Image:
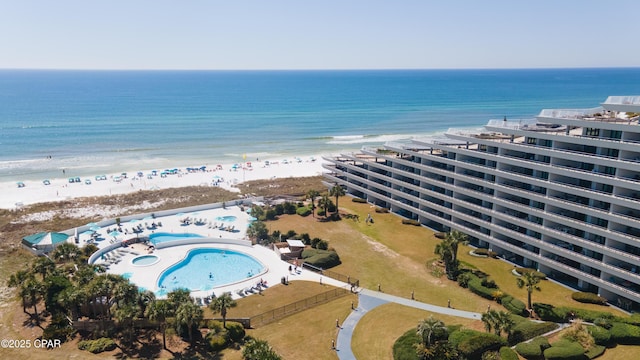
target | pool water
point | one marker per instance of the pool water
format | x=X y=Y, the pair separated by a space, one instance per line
x=228 y=218
x=204 y=269
x=157 y=238
x=145 y=260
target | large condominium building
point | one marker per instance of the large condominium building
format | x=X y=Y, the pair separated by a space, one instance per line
x=560 y=193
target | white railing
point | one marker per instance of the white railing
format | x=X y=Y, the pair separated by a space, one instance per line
x=623 y=100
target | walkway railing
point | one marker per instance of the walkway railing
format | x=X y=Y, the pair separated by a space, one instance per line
x=334 y=275
x=296 y=307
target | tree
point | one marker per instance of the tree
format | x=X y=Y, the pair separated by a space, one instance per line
x=530 y=282
x=16 y=281
x=337 y=191
x=33 y=290
x=313 y=194
x=256 y=349
x=189 y=314
x=43 y=266
x=498 y=321
x=258 y=230
x=221 y=304
x=125 y=314
x=257 y=212
x=71 y=298
x=324 y=202
x=144 y=299
x=66 y=252
x=427 y=328
x=447 y=249
x=179 y=296
x=160 y=310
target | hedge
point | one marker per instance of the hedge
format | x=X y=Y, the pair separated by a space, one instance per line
x=625 y=334
x=303 y=211
x=235 y=330
x=528 y=330
x=589 y=298
x=404 y=347
x=359 y=200
x=548 y=312
x=381 y=210
x=564 y=350
x=410 y=222
x=534 y=348
x=475 y=285
x=600 y=335
x=97 y=346
x=321 y=258
x=595 y=351
x=535 y=272
x=515 y=306
x=472 y=344
x=507 y=354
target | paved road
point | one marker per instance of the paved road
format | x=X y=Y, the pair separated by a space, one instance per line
x=369 y=300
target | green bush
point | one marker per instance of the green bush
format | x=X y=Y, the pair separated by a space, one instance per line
x=235 y=330
x=321 y=258
x=535 y=272
x=440 y=235
x=410 y=222
x=549 y=312
x=600 y=335
x=58 y=328
x=404 y=347
x=526 y=330
x=217 y=341
x=97 y=346
x=507 y=354
x=625 y=334
x=515 y=306
x=472 y=344
x=381 y=210
x=303 y=211
x=589 y=298
x=481 y=251
x=595 y=351
x=359 y=200
x=322 y=245
x=602 y=322
x=320 y=212
x=475 y=285
x=533 y=349
x=564 y=350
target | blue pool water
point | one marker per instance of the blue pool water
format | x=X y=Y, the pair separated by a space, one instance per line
x=163 y=236
x=145 y=260
x=204 y=269
x=228 y=218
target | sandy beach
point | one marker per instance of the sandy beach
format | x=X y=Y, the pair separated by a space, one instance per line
x=227 y=176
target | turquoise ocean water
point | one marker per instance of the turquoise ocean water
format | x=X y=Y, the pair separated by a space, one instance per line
x=94 y=122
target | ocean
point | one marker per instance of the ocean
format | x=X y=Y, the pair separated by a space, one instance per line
x=95 y=122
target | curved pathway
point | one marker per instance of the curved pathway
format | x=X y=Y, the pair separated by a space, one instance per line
x=368 y=300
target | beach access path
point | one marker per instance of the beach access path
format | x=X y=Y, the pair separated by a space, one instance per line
x=369 y=300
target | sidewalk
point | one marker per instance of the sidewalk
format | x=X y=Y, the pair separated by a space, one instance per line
x=369 y=300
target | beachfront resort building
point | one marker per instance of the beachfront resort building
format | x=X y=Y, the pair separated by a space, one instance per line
x=559 y=193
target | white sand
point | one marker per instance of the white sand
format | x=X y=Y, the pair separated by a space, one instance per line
x=60 y=189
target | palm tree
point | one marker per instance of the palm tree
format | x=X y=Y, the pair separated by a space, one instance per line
x=43 y=266
x=221 y=304
x=505 y=323
x=70 y=298
x=313 y=194
x=337 y=191
x=66 y=252
x=16 y=281
x=256 y=349
x=324 y=202
x=530 y=281
x=143 y=299
x=160 y=310
x=125 y=315
x=448 y=251
x=427 y=328
x=189 y=314
x=456 y=238
x=34 y=290
x=489 y=320
x=179 y=296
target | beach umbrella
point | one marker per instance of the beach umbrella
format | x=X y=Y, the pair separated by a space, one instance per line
x=115 y=233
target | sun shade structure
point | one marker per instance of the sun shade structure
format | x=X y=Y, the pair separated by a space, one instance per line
x=45 y=241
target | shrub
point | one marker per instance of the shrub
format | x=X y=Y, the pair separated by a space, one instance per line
x=440 y=235
x=526 y=330
x=601 y=336
x=303 y=211
x=97 y=346
x=320 y=212
x=314 y=242
x=58 y=328
x=589 y=298
x=564 y=350
x=533 y=349
x=507 y=354
x=475 y=285
x=216 y=341
x=382 y=210
x=548 y=312
x=359 y=200
x=602 y=322
x=463 y=280
x=404 y=347
x=321 y=258
x=625 y=334
x=410 y=222
x=595 y=351
x=515 y=306
x=472 y=344
x=322 y=245
x=235 y=331
x=486 y=282
x=481 y=251
x=535 y=272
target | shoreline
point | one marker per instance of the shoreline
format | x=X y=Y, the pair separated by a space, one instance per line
x=228 y=176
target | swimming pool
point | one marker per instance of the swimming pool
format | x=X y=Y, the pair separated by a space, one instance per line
x=145 y=260
x=206 y=268
x=228 y=218
x=157 y=238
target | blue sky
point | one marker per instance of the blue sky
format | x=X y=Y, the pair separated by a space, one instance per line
x=327 y=34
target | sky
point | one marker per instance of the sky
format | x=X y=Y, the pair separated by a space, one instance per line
x=321 y=34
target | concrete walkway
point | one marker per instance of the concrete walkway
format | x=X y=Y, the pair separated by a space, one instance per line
x=369 y=300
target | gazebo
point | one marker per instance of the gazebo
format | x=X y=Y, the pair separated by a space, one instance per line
x=44 y=241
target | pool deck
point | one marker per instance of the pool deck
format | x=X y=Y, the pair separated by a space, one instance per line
x=119 y=260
